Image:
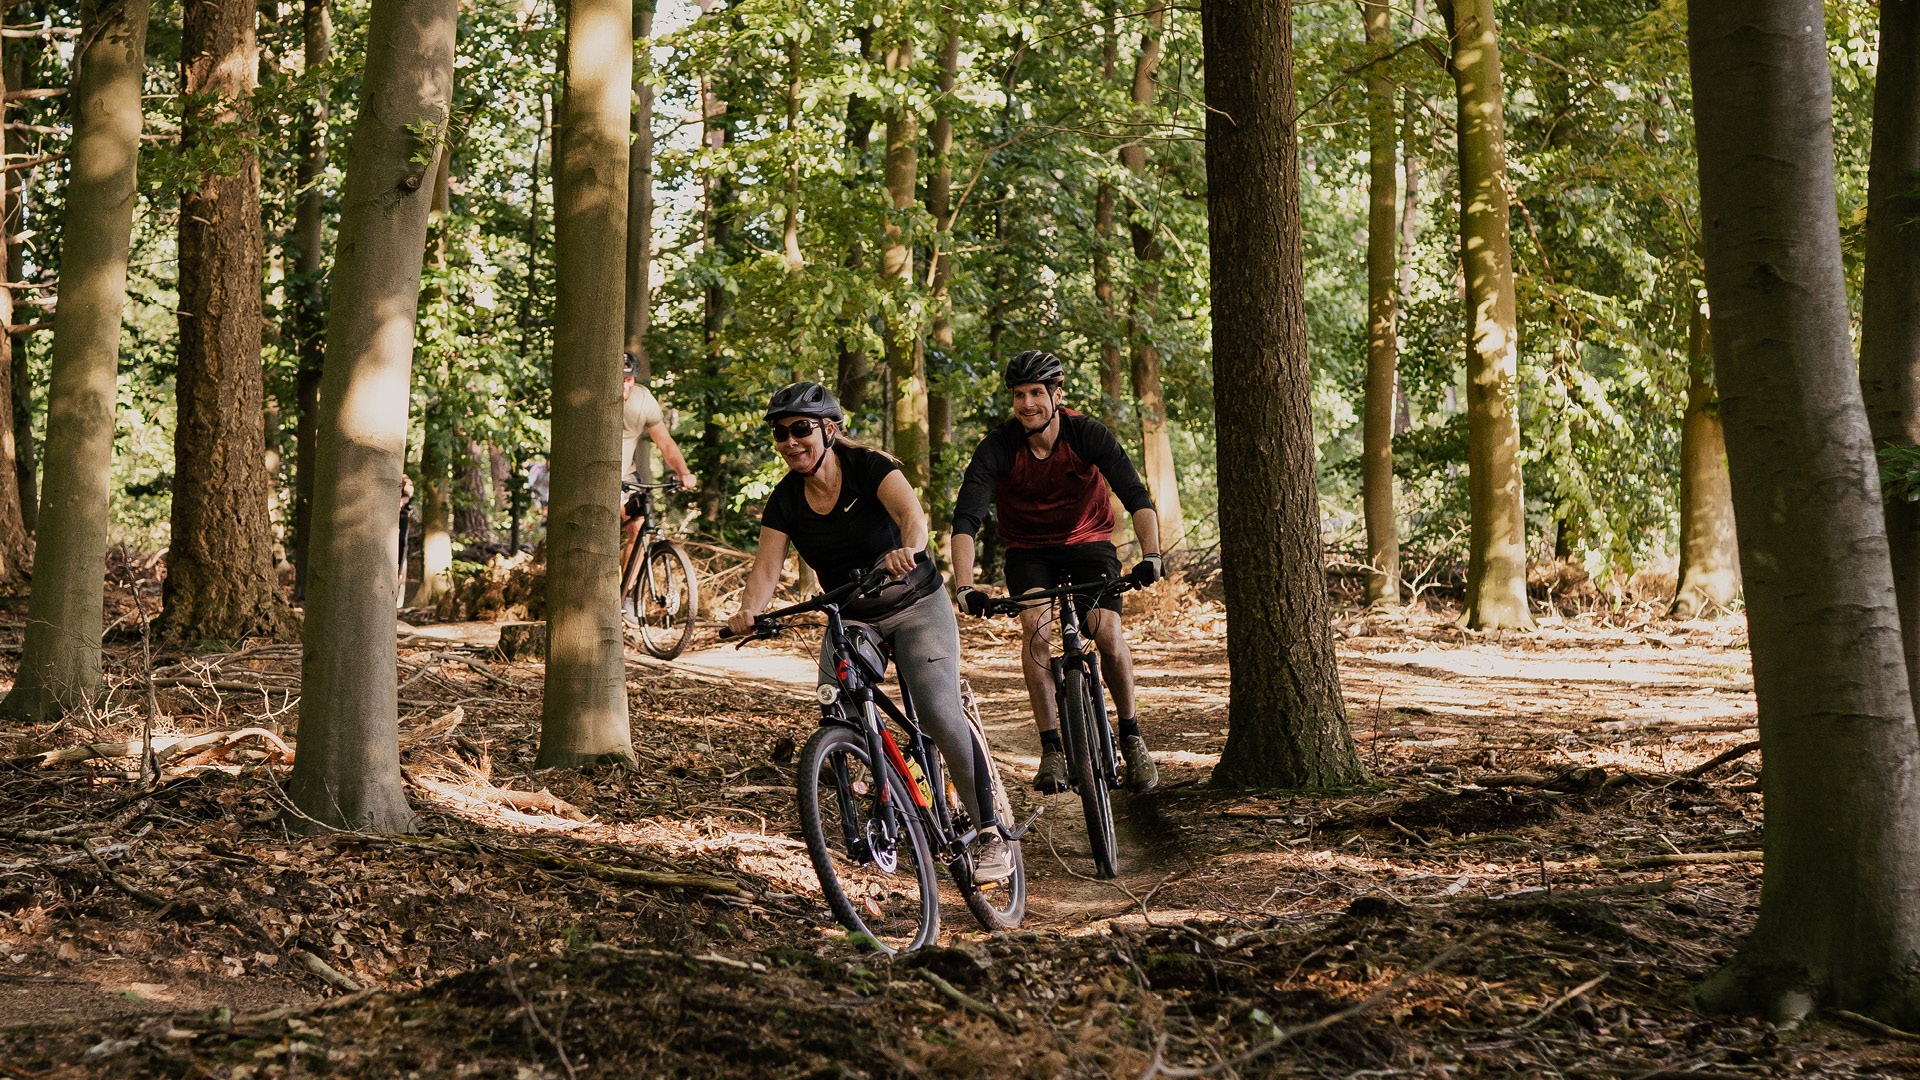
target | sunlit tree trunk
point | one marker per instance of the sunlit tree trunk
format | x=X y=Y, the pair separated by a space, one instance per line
x=1383 y=357
x=309 y=301
x=583 y=718
x=436 y=457
x=1156 y=441
x=347 y=771
x=60 y=662
x=1890 y=312
x=640 y=217
x=940 y=206
x=1839 y=921
x=221 y=583
x=906 y=357
x=1497 y=539
x=1287 y=726
x=1709 y=545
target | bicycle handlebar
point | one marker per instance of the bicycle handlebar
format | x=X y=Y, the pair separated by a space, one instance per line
x=628 y=487
x=1013 y=605
x=767 y=623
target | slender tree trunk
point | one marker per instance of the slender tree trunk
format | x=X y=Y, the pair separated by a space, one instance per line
x=310 y=297
x=1113 y=374
x=1890 y=312
x=1376 y=454
x=436 y=456
x=221 y=583
x=25 y=460
x=906 y=356
x=16 y=548
x=583 y=718
x=60 y=662
x=1497 y=540
x=853 y=365
x=640 y=215
x=1709 y=544
x=473 y=508
x=1156 y=440
x=940 y=206
x=1286 y=724
x=1839 y=921
x=347 y=773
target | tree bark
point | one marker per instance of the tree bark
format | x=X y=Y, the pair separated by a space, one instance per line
x=940 y=206
x=1709 y=545
x=1287 y=726
x=436 y=524
x=16 y=547
x=1156 y=441
x=221 y=583
x=473 y=508
x=906 y=356
x=347 y=774
x=1383 y=358
x=640 y=211
x=25 y=459
x=1839 y=921
x=853 y=367
x=583 y=717
x=436 y=454
x=310 y=298
x=1497 y=539
x=60 y=662
x=1890 y=310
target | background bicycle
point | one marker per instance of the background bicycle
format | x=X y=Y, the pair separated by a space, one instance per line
x=659 y=593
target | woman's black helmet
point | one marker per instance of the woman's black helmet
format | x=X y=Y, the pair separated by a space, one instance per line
x=1034 y=366
x=804 y=399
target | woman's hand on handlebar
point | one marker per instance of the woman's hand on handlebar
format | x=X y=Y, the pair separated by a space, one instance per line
x=900 y=561
x=688 y=481
x=741 y=624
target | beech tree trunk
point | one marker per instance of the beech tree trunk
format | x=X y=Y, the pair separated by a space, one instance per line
x=473 y=506
x=940 y=206
x=16 y=548
x=1497 y=540
x=60 y=662
x=310 y=298
x=1156 y=441
x=1287 y=726
x=640 y=212
x=1383 y=357
x=221 y=583
x=1839 y=921
x=853 y=364
x=906 y=356
x=347 y=772
x=583 y=717
x=25 y=460
x=1890 y=312
x=436 y=456
x=1709 y=544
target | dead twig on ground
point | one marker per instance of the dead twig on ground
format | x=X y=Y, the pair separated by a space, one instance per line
x=1718 y=760
x=967 y=1001
x=533 y=1017
x=1645 y=862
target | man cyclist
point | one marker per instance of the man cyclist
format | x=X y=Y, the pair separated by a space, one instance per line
x=640 y=414
x=1049 y=472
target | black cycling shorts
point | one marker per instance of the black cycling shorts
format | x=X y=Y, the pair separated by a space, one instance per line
x=1065 y=564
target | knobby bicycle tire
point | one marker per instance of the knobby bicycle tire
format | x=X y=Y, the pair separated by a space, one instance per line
x=865 y=898
x=1001 y=905
x=1095 y=800
x=669 y=597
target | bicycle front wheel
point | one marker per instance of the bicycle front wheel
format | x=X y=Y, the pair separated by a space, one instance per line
x=999 y=905
x=875 y=868
x=669 y=600
x=1078 y=718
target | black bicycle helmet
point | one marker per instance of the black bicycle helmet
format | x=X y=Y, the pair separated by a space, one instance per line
x=1035 y=366
x=629 y=365
x=805 y=399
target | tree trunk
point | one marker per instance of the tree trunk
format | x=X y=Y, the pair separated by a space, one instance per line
x=1839 y=920
x=1890 y=311
x=16 y=548
x=1376 y=454
x=940 y=205
x=473 y=507
x=1709 y=544
x=583 y=718
x=1497 y=539
x=25 y=460
x=1156 y=441
x=853 y=365
x=1287 y=726
x=221 y=583
x=437 y=442
x=347 y=773
x=60 y=662
x=436 y=524
x=640 y=212
x=310 y=298
x=906 y=356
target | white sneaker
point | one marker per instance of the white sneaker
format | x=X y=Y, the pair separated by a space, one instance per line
x=992 y=858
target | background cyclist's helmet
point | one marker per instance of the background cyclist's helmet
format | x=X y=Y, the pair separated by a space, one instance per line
x=804 y=399
x=1034 y=366
x=629 y=365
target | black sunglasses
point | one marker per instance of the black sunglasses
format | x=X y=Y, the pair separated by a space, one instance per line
x=799 y=429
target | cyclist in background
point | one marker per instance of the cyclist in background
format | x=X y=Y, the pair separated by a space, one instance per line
x=640 y=414
x=1048 y=472
x=846 y=507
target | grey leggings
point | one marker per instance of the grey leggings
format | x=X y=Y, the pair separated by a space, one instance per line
x=926 y=655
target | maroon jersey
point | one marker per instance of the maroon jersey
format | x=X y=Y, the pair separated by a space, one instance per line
x=1048 y=502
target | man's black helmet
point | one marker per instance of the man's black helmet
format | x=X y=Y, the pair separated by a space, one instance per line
x=804 y=399
x=1034 y=366
x=629 y=365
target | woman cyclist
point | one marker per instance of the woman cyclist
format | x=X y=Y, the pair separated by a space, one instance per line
x=847 y=507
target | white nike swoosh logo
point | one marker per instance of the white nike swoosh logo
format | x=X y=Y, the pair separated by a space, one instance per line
x=850 y=503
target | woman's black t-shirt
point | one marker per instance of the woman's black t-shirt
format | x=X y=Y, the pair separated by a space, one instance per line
x=842 y=544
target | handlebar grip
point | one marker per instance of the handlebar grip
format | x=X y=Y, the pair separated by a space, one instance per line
x=725 y=633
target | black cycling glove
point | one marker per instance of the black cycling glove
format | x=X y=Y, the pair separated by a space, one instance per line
x=972 y=600
x=1149 y=569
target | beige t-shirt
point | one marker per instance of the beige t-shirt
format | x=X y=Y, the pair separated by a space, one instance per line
x=638 y=413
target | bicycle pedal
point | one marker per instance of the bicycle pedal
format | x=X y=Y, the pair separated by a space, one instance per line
x=1015 y=834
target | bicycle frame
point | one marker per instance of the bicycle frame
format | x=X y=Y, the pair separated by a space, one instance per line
x=1077 y=652
x=636 y=557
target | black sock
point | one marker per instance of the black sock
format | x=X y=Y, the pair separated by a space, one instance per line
x=1050 y=740
x=1130 y=728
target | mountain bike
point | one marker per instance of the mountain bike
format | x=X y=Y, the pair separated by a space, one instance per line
x=1093 y=761
x=659 y=594
x=877 y=810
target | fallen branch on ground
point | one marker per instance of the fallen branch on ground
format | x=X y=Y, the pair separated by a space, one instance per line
x=539 y=802
x=657 y=878
x=1697 y=858
x=327 y=972
x=1869 y=1024
x=1715 y=762
x=165 y=749
x=967 y=1001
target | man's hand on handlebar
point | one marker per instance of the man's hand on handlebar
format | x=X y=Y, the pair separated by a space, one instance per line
x=741 y=624
x=973 y=601
x=688 y=481
x=1151 y=568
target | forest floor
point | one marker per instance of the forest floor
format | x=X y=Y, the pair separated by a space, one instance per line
x=1518 y=892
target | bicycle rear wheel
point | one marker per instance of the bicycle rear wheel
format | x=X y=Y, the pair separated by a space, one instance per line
x=887 y=890
x=1078 y=718
x=669 y=600
x=999 y=905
